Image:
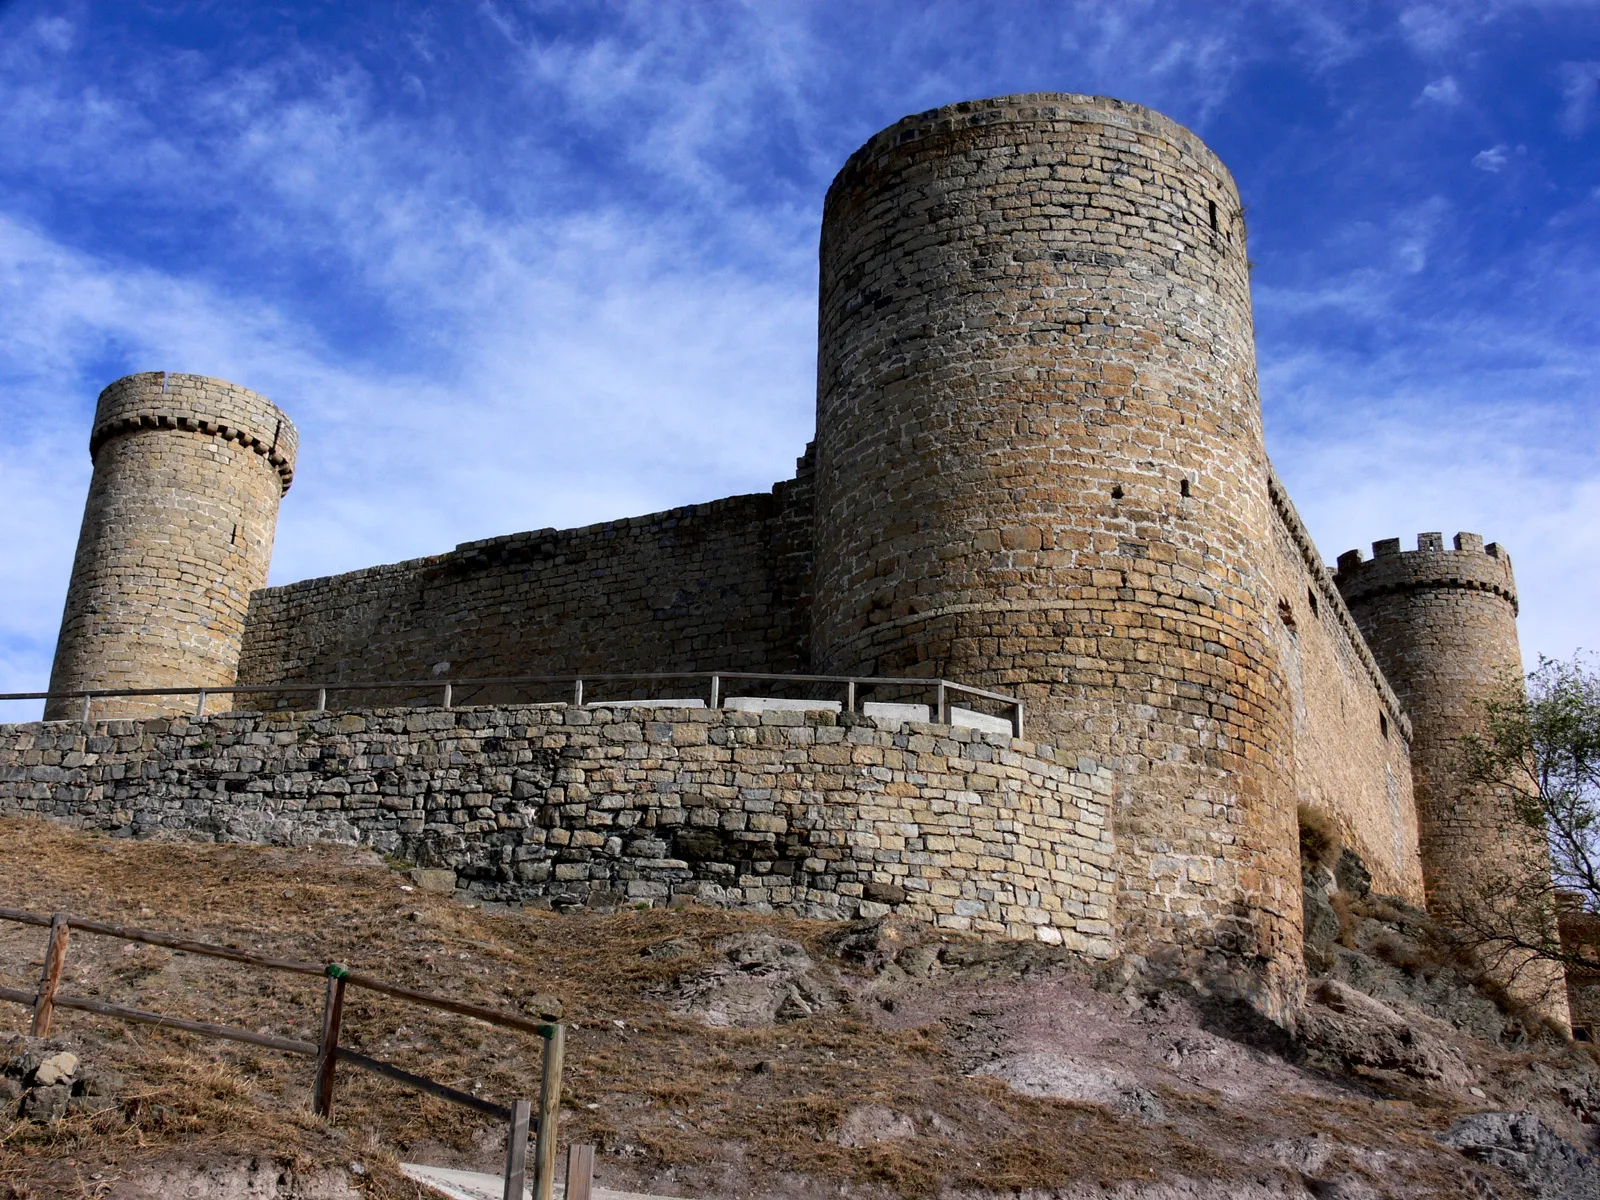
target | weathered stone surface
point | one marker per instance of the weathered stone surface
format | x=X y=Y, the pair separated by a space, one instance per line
x=1443 y=625
x=812 y=813
x=45 y=1104
x=435 y=879
x=58 y=1068
x=1527 y=1149
x=177 y=533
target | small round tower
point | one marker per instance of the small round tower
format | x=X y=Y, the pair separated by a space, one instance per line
x=1443 y=626
x=1040 y=466
x=177 y=532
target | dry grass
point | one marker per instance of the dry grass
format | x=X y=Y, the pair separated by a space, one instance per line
x=1320 y=840
x=651 y=1089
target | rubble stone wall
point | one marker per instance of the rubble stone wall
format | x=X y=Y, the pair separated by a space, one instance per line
x=817 y=814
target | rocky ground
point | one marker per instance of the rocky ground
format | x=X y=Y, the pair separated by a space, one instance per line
x=719 y=1054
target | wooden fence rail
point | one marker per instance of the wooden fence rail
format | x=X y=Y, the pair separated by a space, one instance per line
x=327 y=1052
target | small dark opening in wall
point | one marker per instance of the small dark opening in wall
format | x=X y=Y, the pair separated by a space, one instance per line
x=1580 y=1033
x=1311 y=599
x=1116 y=491
x=1286 y=613
x=1183 y=487
x=234 y=540
x=1383 y=724
x=1212 y=206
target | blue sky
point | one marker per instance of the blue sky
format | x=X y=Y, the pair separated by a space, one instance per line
x=514 y=265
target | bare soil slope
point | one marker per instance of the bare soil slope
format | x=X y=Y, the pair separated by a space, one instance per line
x=720 y=1054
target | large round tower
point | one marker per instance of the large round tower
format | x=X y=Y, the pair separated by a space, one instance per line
x=1040 y=465
x=177 y=532
x=1443 y=626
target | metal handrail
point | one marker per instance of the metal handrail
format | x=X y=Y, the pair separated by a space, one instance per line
x=851 y=683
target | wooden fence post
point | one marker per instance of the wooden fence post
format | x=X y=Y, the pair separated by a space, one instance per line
x=580 y=1172
x=555 y=1044
x=328 y=1047
x=55 y=955
x=517 y=1150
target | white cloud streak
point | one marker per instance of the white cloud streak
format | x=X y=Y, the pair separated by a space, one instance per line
x=593 y=296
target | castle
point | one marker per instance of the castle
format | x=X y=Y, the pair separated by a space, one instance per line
x=1038 y=468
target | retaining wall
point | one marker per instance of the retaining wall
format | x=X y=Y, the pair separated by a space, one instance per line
x=812 y=813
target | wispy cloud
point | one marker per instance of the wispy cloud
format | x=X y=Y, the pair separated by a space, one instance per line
x=526 y=264
x=1580 y=94
x=1445 y=92
x=1493 y=160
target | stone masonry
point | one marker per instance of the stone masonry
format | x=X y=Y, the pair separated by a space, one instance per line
x=1443 y=624
x=177 y=534
x=807 y=812
x=1039 y=468
x=1040 y=465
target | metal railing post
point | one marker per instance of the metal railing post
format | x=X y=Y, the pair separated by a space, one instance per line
x=716 y=691
x=577 y=693
x=942 y=705
x=555 y=1043
x=86 y=700
x=447 y=695
x=322 y=699
x=850 y=696
x=200 y=704
x=1016 y=719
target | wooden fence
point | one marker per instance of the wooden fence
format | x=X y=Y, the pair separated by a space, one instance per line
x=326 y=1051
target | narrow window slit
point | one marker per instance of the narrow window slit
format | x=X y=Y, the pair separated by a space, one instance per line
x=1211 y=205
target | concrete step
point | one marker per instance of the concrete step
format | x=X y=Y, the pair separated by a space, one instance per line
x=475 y=1185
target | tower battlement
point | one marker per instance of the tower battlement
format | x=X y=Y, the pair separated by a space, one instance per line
x=1469 y=565
x=199 y=404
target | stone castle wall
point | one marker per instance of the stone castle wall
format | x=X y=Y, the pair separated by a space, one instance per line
x=810 y=813
x=1352 y=737
x=719 y=586
x=177 y=533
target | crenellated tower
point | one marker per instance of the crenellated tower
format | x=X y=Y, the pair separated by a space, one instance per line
x=1442 y=624
x=1040 y=466
x=177 y=532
